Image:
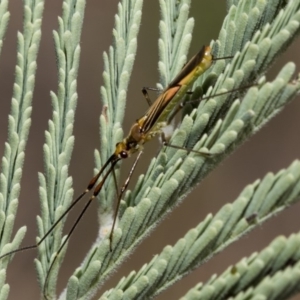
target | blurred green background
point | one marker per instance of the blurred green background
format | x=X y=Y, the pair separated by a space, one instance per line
x=271 y=149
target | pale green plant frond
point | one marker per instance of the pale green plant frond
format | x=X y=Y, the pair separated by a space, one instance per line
x=4 y=19
x=261 y=22
x=56 y=191
x=19 y=122
x=241 y=121
x=269 y=13
x=274 y=273
x=175 y=30
x=242 y=69
x=118 y=64
x=217 y=127
x=253 y=35
x=257 y=202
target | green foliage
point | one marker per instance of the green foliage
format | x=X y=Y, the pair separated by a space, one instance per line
x=271 y=274
x=255 y=33
x=4 y=19
x=118 y=64
x=19 y=121
x=56 y=191
x=217 y=232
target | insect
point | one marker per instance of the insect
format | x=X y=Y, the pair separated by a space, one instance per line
x=143 y=130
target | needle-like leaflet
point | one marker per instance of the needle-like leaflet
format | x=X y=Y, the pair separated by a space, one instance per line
x=143 y=130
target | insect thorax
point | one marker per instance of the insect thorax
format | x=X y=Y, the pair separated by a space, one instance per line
x=157 y=129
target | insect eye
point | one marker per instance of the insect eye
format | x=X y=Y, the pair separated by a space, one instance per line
x=123 y=154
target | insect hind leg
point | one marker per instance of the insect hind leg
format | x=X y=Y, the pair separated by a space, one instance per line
x=165 y=142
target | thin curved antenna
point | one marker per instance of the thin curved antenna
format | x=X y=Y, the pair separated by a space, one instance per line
x=113 y=160
x=89 y=187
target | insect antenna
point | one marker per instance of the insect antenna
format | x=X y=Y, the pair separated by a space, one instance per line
x=113 y=160
x=89 y=187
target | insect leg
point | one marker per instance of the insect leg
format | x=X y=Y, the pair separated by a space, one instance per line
x=115 y=181
x=89 y=187
x=63 y=244
x=95 y=193
x=123 y=189
x=146 y=95
x=167 y=144
x=216 y=95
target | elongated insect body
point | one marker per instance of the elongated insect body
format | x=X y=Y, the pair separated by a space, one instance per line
x=157 y=116
x=177 y=89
